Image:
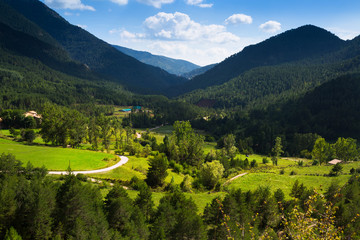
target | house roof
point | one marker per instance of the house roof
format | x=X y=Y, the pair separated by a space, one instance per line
x=32 y=114
x=335 y=161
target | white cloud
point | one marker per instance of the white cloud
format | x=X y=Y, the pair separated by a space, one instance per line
x=69 y=4
x=124 y=34
x=179 y=26
x=199 y=3
x=344 y=34
x=239 y=18
x=82 y=26
x=156 y=3
x=270 y=26
x=204 y=5
x=120 y=2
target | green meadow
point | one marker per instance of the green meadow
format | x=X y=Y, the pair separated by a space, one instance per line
x=57 y=158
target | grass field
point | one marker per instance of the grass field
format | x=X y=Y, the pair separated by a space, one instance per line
x=285 y=182
x=56 y=158
x=200 y=199
x=135 y=167
x=168 y=129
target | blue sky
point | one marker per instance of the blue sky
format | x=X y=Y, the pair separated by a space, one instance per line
x=204 y=31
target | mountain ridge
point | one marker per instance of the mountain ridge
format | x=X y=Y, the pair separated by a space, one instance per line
x=171 y=65
x=292 y=45
x=100 y=56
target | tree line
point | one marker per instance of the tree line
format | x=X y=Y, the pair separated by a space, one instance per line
x=36 y=206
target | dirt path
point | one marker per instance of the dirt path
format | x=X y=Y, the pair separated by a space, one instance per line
x=122 y=161
x=237 y=176
x=152 y=129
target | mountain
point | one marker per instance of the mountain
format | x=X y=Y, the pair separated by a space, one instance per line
x=293 y=45
x=198 y=71
x=331 y=110
x=95 y=53
x=173 y=66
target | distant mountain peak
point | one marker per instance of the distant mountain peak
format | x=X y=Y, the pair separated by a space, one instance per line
x=304 y=42
x=173 y=66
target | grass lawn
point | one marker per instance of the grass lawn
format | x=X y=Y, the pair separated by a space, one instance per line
x=135 y=167
x=285 y=182
x=168 y=129
x=56 y=158
x=200 y=199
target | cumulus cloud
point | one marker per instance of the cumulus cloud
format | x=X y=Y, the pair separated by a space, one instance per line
x=199 y=3
x=124 y=34
x=120 y=2
x=270 y=26
x=239 y=18
x=179 y=26
x=69 y=4
x=156 y=3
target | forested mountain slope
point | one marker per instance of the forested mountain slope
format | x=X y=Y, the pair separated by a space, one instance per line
x=293 y=45
x=331 y=110
x=198 y=71
x=98 y=55
x=263 y=85
x=33 y=71
x=174 y=66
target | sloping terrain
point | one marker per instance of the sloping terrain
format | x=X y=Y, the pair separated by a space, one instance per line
x=95 y=53
x=173 y=66
x=302 y=43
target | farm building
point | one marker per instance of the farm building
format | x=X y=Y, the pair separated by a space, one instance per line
x=334 y=161
x=126 y=110
x=32 y=114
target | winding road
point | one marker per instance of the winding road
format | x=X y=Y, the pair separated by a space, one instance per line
x=122 y=161
x=232 y=179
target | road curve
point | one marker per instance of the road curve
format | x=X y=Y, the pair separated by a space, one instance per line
x=122 y=161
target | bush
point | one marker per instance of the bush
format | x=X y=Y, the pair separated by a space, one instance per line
x=265 y=160
x=293 y=173
x=300 y=163
x=253 y=164
x=178 y=168
x=81 y=177
x=28 y=135
x=282 y=172
x=136 y=183
x=185 y=185
x=315 y=162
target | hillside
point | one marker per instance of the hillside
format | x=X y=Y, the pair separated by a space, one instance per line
x=331 y=110
x=261 y=86
x=198 y=71
x=95 y=53
x=173 y=66
x=293 y=45
x=30 y=76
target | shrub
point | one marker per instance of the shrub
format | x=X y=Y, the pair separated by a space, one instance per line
x=178 y=168
x=293 y=173
x=265 y=160
x=300 y=163
x=282 y=172
x=253 y=163
x=81 y=177
x=136 y=183
x=185 y=185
